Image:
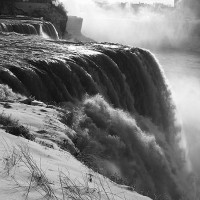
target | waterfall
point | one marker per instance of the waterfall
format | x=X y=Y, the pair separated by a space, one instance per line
x=121 y=103
x=45 y=29
x=49 y=30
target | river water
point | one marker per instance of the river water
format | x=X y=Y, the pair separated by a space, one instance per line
x=182 y=70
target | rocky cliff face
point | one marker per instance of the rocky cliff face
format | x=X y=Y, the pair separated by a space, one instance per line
x=73 y=30
x=74 y=25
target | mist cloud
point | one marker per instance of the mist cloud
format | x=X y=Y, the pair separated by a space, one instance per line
x=192 y=5
x=144 y=28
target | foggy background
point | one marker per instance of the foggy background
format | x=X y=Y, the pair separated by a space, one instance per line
x=107 y=21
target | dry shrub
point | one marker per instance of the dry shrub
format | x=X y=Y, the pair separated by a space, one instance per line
x=6 y=94
x=13 y=127
x=37 y=181
x=18 y=157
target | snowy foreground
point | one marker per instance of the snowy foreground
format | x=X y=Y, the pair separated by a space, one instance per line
x=40 y=169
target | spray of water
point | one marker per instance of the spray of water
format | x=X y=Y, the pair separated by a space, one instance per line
x=120 y=23
x=182 y=70
x=43 y=34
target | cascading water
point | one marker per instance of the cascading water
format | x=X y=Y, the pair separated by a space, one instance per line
x=42 y=28
x=49 y=30
x=122 y=107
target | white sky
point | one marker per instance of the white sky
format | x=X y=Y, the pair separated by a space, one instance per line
x=75 y=7
x=168 y=2
x=142 y=1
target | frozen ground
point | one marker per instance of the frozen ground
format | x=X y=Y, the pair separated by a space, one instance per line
x=37 y=170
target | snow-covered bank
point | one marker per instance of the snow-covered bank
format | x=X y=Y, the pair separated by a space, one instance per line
x=52 y=161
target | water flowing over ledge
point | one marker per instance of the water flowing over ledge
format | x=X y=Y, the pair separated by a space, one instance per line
x=28 y=26
x=129 y=78
x=120 y=94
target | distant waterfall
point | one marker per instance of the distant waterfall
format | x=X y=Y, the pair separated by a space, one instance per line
x=49 y=29
x=45 y=28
